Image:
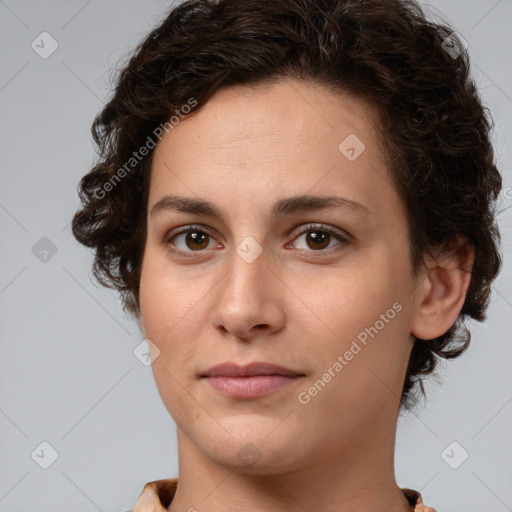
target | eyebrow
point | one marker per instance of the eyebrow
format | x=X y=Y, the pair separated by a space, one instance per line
x=281 y=208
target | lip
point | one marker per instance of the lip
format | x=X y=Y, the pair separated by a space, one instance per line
x=250 y=381
x=251 y=369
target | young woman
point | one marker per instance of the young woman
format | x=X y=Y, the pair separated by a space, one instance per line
x=295 y=200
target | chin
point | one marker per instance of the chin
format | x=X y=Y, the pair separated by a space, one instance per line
x=256 y=449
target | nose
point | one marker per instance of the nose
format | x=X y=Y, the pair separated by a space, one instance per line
x=249 y=299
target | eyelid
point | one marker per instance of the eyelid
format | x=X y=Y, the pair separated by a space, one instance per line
x=321 y=227
x=188 y=227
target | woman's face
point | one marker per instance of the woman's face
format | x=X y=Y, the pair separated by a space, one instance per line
x=268 y=281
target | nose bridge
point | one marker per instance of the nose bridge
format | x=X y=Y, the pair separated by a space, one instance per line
x=248 y=264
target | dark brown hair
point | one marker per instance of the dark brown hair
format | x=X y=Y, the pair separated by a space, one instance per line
x=435 y=129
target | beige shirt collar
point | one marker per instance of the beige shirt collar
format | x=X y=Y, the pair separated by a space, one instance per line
x=158 y=495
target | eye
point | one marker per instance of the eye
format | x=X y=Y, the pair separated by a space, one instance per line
x=318 y=238
x=190 y=239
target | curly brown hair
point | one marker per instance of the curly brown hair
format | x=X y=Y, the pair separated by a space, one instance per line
x=436 y=131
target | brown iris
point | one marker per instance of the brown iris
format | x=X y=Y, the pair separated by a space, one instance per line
x=318 y=237
x=197 y=237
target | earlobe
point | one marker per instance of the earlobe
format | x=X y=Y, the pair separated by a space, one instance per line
x=441 y=294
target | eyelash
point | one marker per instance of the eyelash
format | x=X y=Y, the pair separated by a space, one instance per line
x=344 y=240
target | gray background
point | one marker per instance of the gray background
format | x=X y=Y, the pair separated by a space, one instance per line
x=68 y=375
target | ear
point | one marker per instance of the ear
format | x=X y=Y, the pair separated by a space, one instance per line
x=442 y=289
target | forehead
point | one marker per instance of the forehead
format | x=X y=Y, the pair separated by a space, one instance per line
x=287 y=136
x=278 y=114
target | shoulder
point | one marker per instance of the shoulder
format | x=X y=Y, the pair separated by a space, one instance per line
x=416 y=499
x=156 y=496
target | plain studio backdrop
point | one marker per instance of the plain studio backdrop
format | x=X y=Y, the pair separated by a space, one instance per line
x=71 y=386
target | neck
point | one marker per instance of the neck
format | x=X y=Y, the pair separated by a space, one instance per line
x=357 y=477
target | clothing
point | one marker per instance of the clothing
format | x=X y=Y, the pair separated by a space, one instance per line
x=158 y=495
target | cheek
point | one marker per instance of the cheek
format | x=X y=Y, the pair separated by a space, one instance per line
x=366 y=318
x=173 y=316
x=168 y=301
x=166 y=323
x=351 y=301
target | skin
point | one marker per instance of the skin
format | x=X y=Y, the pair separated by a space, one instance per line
x=298 y=304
